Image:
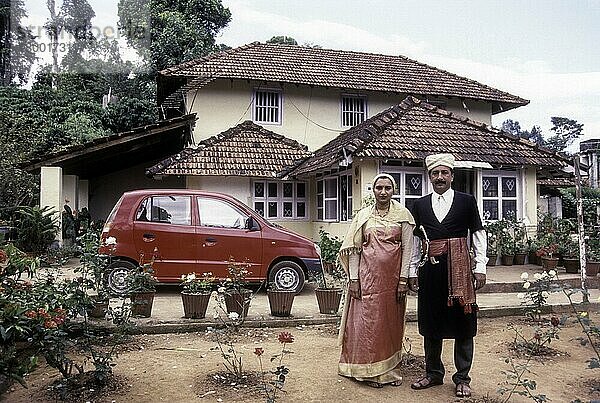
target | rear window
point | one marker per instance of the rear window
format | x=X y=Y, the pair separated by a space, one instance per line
x=166 y=209
x=114 y=210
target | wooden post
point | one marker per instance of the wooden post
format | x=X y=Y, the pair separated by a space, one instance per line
x=580 y=228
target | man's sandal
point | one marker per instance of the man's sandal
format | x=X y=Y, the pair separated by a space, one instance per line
x=376 y=385
x=396 y=383
x=463 y=390
x=425 y=382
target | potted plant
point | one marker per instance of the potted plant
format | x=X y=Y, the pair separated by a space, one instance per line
x=280 y=301
x=506 y=241
x=141 y=284
x=491 y=230
x=330 y=246
x=233 y=290
x=569 y=251
x=195 y=294
x=592 y=265
x=92 y=269
x=520 y=236
x=532 y=247
x=331 y=280
x=547 y=254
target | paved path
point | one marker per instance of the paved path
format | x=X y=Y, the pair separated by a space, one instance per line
x=167 y=313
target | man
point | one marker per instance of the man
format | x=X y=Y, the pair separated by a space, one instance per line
x=447 y=223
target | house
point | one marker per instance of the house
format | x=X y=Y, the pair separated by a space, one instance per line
x=297 y=132
x=359 y=113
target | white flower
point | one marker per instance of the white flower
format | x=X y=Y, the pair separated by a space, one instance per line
x=182 y=277
x=526 y=285
x=537 y=276
x=545 y=294
x=521 y=295
x=524 y=275
x=191 y=277
x=552 y=273
x=233 y=315
x=111 y=240
x=221 y=290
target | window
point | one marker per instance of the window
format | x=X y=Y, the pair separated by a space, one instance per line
x=354 y=110
x=166 y=209
x=217 y=213
x=345 y=197
x=334 y=198
x=411 y=186
x=499 y=196
x=267 y=106
x=285 y=200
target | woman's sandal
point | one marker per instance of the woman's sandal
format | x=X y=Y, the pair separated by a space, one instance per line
x=425 y=382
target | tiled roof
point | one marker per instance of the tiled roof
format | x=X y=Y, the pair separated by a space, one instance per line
x=339 y=69
x=114 y=140
x=244 y=150
x=414 y=129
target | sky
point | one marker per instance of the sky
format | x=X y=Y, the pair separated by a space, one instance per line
x=544 y=51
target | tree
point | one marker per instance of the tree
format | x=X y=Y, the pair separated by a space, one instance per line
x=16 y=44
x=565 y=132
x=75 y=18
x=179 y=30
x=285 y=40
x=514 y=127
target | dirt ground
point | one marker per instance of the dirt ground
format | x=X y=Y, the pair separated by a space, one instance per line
x=185 y=367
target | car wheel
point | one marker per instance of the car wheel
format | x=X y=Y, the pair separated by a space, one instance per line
x=116 y=276
x=287 y=276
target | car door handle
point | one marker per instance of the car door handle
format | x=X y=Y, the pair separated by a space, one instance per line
x=148 y=237
x=210 y=242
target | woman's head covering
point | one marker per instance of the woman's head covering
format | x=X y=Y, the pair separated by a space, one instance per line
x=386 y=176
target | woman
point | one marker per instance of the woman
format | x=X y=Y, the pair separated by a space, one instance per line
x=375 y=255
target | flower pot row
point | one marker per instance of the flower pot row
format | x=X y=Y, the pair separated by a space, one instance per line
x=195 y=305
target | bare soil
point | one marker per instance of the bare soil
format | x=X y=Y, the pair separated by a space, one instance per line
x=187 y=367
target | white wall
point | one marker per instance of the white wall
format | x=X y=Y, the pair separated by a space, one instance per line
x=51 y=191
x=239 y=187
x=310 y=116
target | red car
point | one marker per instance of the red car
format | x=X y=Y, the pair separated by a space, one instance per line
x=196 y=231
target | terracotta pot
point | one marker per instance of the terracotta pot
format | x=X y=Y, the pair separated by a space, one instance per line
x=492 y=260
x=507 y=260
x=571 y=264
x=195 y=305
x=592 y=268
x=281 y=302
x=238 y=302
x=329 y=300
x=549 y=263
x=532 y=258
x=520 y=258
x=141 y=304
x=98 y=309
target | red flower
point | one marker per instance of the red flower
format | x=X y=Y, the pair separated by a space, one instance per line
x=259 y=351
x=59 y=319
x=50 y=324
x=285 y=337
x=555 y=321
x=31 y=314
x=60 y=311
x=3 y=256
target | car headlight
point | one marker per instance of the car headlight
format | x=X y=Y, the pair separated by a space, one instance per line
x=318 y=249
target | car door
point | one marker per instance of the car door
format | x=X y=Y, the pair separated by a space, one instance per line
x=221 y=235
x=163 y=229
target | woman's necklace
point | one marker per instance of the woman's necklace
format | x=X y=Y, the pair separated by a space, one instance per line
x=384 y=212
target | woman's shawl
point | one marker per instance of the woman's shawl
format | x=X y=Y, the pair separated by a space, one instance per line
x=354 y=237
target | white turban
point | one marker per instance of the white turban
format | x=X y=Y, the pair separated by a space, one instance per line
x=436 y=160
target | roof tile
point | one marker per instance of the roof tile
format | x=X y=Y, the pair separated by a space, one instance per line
x=338 y=69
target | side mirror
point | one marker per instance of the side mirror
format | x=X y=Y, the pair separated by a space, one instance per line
x=251 y=224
